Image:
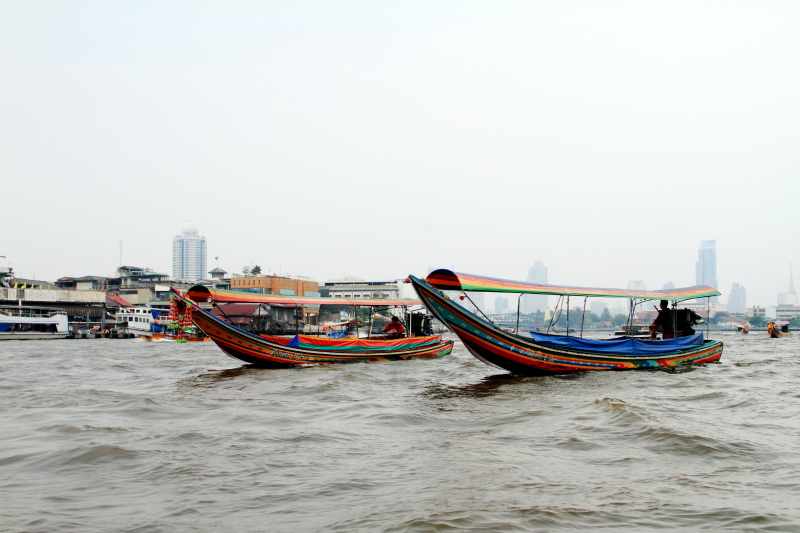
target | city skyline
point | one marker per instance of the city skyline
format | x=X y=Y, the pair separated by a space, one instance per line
x=605 y=139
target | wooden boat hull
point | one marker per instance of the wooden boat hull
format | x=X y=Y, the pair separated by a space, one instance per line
x=522 y=355
x=775 y=333
x=32 y=335
x=164 y=337
x=262 y=352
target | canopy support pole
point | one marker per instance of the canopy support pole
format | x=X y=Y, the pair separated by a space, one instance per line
x=630 y=316
x=519 y=301
x=567 y=316
x=369 y=327
x=477 y=308
x=223 y=312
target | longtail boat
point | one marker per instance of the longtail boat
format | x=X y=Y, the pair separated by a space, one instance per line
x=281 y=352
x=778 y=330
x=546 y=353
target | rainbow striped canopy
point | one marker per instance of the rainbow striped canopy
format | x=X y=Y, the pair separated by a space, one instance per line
x=444 y=279
x=201 y=293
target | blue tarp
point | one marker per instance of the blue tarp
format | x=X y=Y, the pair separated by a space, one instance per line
x=620 y=346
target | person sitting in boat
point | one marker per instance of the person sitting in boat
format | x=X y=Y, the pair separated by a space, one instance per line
x=394 y=329
x=673 y=322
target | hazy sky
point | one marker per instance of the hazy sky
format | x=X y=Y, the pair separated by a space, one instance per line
x=377 y=139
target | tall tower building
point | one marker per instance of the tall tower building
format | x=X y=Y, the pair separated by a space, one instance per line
x=791 y=296
x=535 y=302
x=500 y=305
x=737 y=300
x=189 y=254
x=706 y=266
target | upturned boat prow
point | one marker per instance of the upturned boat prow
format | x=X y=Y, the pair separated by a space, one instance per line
x=553 y=354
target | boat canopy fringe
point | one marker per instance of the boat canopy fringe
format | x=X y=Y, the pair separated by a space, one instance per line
x=201 y=293
x=444 y=279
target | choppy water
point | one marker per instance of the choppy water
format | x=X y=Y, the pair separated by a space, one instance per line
x=124 y=435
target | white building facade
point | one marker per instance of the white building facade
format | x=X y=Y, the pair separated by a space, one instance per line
x=189 y=254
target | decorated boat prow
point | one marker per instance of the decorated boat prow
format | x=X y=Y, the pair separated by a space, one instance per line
x=281 y=352
x=776 y=330
x=547 y=353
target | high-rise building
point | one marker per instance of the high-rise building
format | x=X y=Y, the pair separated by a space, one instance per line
x=737 y=300
x=791 y=296
x=189 y=252
x=500 y=305
x=706 y=266
x=535 y=302
x=598 y=306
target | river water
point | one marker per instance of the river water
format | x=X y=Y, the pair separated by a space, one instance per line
x=125 y=435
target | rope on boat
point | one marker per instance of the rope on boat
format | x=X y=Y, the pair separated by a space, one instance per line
x=583 y=316
x=476 y=307
x=553 y=318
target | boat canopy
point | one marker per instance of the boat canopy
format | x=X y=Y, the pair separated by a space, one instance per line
x=201 y=293
x=444 y=279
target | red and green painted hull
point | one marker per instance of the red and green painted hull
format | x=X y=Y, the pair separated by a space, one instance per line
x=521 y=355
x=278 y=352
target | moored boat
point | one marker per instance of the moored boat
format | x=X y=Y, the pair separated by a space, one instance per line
x=281 y=352
x=33 y=323
x=548 y=354
x=141 y=321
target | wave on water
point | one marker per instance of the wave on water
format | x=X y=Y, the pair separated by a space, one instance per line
x=109 y=435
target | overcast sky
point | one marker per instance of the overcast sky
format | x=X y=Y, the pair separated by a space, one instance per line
x=378 y=139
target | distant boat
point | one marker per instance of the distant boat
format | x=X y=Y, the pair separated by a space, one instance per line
x=778 y=329
x=156 y=324
x=140 y=320
x=547 y=354
x=636 y=330
x=33 y=323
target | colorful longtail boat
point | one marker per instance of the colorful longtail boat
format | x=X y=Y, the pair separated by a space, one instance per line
x=280 y=352
x=549 y=354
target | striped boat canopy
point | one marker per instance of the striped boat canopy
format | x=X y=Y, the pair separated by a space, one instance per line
x=201 y=293
x=444 y=279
